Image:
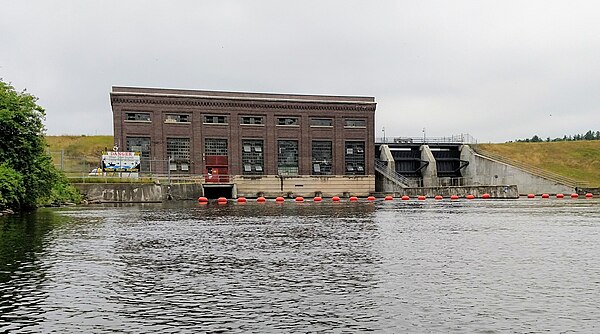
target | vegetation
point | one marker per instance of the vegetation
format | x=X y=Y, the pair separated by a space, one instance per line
x=27 y=176
x=78 y=154
x=579 y=159
x=590 y=135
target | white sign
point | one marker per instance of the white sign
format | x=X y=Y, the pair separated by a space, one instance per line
x=121 y=161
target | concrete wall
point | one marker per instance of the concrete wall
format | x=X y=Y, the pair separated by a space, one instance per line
x=307 y=186
x=485 y=171
x=477 y=191
x=136 y=192
x=429 y=173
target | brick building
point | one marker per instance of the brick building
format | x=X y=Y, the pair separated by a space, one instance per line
x=251 y=141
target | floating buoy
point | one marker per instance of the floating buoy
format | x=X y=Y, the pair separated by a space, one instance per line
x=335 y=198
x=589 y=195
x=222 y=200
x=485 y=196
x=470 y=196
x=202 y=200
x=388 y=198
x=454 y=197
x=574 y=195
x=421 y=198
x=371 y=198
x=318 y=198
x=241 y=199
x=438 y=197
x=560 y=196
x=279 y=199
x=545 y=196
x=353 y=198
x=261 y=199
x=299 y=199
x=405 y=198
x=530 y=195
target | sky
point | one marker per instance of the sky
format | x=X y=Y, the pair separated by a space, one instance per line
x=497 y=70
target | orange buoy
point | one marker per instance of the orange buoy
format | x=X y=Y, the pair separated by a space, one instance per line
x=353 y=198
x=299 y=199
x=222 y=200
x=279 y=199
x=335 y=198
x=589 y=195
x=454 y=197
x=545 y=195
x=421 y=198
x=470 y=196
x=405 y=198
x=574 y=195
x=530 y=195
x=241 y=199
x=318 y=198
x=261 y=199
x=560 y=196
x=485 y=196
x=388 y=198
x=202 y=200
x=438 y=197
x=371 y=198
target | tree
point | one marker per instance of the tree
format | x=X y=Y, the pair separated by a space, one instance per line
x=27 y=167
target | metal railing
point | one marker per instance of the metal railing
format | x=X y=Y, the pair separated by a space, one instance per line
x=400 y=179
x=454 y=139
x=560 y=179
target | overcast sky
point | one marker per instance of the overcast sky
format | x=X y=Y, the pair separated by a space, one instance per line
x=498 y=70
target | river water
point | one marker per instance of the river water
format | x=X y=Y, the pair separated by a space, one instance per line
x=525 y=266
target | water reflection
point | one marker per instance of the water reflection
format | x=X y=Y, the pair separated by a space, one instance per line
x=411 y=266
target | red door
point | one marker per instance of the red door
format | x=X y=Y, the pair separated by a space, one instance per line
x=216 y=169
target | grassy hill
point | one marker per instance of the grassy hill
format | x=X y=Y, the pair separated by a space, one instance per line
x=78 y=153
x=579 y=160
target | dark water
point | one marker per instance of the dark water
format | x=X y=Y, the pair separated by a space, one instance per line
x=526 y=266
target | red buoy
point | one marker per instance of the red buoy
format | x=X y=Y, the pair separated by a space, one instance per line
x=353 y=198
x=371 y=198
x=222 y=200
x=560 y=196
x=438 y=197
x=202 y=200
x=405 y=198
x=335 y=198
x=574 y=195
x=485 y=196
x=299 y=199
x=589 y=195
x=318 y=198
x=545 y=195
x=421 y=198
x=454 y=197
x=388 y=198
x=470 y=196
x=530 y=195
x=279 y=199
x=241 y=199
x=261 y=199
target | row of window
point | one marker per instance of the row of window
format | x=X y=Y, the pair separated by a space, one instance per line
x=178 y=152
x=246 y=120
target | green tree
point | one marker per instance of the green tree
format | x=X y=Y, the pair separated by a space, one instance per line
x=23 y=150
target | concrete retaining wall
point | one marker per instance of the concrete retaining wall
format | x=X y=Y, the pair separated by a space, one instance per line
x=137 y=192
x=485 y=171
x=307 y=186
x=510 y=191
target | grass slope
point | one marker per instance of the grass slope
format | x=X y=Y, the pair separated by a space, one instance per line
x=579 y=160
x=80 y=152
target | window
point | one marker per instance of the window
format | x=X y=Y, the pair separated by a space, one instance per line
x=142 y=145
x=215 y=119
x=177 y=118
x=214 y=146
x=252 y=157
x=178 y=151
x=287 y=157
x=321 y=122
x=255 y=120
x=137 y=116
x=322 y=157
x=355 y=157
x=355 y=123
x=287 y=121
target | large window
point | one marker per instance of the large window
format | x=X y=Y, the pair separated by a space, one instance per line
x=215 y=119
x=322 y=157
x=252 y=157
x=321 y=122
x=137 y=116
x=290 y=121
x=213 y=146
x=142 y=145
x=287 y=157
x=252 y=120
x=355 y=157
x=177 y=118
x=355 y=123
x=178 y=151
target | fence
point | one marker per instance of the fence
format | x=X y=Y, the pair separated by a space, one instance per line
x=463 y=138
